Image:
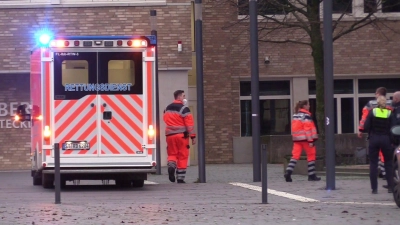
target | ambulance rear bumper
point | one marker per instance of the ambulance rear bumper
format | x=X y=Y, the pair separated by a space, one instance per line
x=99 y=171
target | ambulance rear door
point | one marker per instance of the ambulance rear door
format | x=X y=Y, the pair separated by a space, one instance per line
x=123 y=104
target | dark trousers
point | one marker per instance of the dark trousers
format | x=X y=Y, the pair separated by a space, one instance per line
x=377 y=142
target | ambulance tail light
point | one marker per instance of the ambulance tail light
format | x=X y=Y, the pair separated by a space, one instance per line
x=139 y=43
x=16 y=118
x=151 y=132
x=40 y=117
x=59 y=43
x=46 y=133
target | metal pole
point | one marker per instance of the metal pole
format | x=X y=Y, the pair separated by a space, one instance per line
x=329 y=104
x=264 y=187
x=255 y=99
x=153 y=23
x=200 y=91
x=57 y=176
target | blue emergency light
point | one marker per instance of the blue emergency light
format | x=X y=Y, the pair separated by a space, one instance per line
x=44 y=39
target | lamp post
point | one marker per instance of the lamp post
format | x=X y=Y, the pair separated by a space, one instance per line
x=153 y=25
x=255 y=95
x=200 y=91
x=329 y=101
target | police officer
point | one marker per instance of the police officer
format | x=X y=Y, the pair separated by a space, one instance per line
x=378 y=124
x=380 y=91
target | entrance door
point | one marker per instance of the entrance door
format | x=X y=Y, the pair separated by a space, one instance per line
x=75 y=102
x=122 y=104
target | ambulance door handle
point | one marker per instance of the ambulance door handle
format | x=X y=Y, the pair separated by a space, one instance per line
x=92 y=105
x=104 y=105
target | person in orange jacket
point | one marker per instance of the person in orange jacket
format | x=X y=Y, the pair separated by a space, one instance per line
x=179 y=127
x=304 y=135
x=381 y=91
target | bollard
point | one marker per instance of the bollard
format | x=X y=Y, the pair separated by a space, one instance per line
x=264 y=179
x=57 y=176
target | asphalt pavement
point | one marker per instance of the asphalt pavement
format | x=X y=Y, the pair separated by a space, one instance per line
x=229 y=196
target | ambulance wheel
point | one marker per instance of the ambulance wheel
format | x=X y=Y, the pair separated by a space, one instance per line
x=47 y=181
x=138 y=183
x=396 y=194
x=37 y=181
x=123 y=183
x=396 y=171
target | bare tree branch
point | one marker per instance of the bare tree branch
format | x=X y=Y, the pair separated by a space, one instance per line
x=286 y=41
x=356 y=25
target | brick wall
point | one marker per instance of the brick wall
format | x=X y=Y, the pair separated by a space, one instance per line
x=14 y=137
x=371 y=50
x=18 y=26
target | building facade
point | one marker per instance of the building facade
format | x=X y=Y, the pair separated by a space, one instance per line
x=363 y=60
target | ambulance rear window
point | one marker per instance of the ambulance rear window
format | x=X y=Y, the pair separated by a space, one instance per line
x=75 y=72
x=121 y=71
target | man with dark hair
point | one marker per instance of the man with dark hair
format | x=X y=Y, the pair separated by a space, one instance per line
x=179 y=127
x=381 y=91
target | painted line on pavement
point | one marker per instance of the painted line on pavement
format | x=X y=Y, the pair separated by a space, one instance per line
x=149 y=182
x=277 y=193
x=361 y=203
x=304 y=199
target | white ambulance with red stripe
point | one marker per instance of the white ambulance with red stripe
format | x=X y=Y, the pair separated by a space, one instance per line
x=94 y=95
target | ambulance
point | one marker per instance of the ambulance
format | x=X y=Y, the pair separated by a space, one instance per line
x=95 y=97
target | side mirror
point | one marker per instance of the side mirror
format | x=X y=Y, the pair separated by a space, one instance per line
x=21 y=114
x=395 y=130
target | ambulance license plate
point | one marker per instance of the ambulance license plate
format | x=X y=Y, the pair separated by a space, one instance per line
x=76 y=145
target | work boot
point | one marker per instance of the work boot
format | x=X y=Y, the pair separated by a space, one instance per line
x=313 y=178
x=171 y=173
x=288 y=177
x=181 y=182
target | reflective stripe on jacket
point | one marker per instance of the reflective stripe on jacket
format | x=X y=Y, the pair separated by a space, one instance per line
x=303 y=127
x=178 y=119
x=370 y=105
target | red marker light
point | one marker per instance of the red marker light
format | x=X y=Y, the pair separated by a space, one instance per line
x=66 y=43
x=119 y=43
x=129 y=43
x=76 y=43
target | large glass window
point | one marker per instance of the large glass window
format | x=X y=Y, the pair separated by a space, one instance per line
x=313 y=111
x=266 y=88
x=275 y=108
x=344 y=86
x=347 y=115
x=275 y=117
x=370 y=85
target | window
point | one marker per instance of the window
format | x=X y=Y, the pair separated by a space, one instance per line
x=266 y=88
x=339 y=87
x=275 y=117
x=370 y=85
x=275 y=108
x=74 y=72
x=385 y=6
x=390 y=6
x=121 y=71
x=313 y=111
x=264 y=7
x=347 y=115
x=342 y=6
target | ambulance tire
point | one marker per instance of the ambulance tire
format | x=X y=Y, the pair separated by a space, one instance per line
x=47 y=181
x=123 y=183
x=138 y=183
x=37 y=181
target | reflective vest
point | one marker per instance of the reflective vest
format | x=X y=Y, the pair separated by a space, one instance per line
x=380 y=121
x=303 y=127
x=178 y=119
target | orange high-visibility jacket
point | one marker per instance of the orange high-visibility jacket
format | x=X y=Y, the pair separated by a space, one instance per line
x=178 y=119
x=370 y=105
x=303 y=127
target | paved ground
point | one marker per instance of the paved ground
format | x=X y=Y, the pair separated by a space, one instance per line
x=228 y=197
